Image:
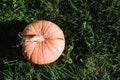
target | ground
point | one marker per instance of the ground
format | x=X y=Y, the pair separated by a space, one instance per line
x=92 y=34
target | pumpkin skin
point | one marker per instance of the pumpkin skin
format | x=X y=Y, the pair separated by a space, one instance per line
x=43 y=42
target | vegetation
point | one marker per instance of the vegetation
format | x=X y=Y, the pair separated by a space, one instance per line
x=92 y=32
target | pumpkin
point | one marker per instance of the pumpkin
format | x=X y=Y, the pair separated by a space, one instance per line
x=43 y=42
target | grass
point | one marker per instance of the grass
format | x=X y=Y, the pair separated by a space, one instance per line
x=92 y=32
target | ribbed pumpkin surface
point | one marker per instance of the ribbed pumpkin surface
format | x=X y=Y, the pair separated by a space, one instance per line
x=44 y=42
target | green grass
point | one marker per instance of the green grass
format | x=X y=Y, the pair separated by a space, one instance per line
x=92 y=33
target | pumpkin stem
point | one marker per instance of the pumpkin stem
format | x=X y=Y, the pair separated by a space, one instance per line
x=36 y=38
x=20 y=34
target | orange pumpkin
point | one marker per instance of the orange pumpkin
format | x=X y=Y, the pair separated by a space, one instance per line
x=43 y=42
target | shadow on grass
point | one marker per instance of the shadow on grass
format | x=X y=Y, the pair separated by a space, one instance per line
x=9 y=39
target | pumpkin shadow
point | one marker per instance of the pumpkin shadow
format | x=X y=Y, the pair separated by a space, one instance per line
x=9 y=40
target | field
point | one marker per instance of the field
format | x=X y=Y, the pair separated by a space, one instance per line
x=92 y=34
